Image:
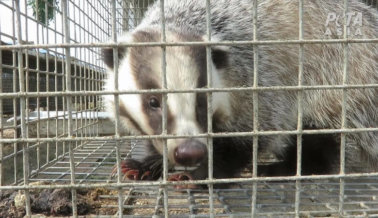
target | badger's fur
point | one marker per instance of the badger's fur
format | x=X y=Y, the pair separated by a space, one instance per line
x=232 y=66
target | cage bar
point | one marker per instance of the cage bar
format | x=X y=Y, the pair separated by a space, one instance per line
x=55 y=135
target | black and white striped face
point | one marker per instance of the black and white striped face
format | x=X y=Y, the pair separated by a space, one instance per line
x=140 y=69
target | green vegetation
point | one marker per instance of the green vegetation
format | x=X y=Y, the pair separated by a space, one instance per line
x=39 y=9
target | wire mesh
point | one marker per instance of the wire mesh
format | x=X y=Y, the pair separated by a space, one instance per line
x=54 y=134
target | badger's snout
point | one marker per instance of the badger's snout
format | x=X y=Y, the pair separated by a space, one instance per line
x=190 y=153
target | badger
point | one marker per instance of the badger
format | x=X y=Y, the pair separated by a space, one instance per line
x=278 y=64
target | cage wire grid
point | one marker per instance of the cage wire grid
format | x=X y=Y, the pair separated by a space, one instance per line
x=55 y=135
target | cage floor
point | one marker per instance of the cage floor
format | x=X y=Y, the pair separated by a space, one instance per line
x=95 y=160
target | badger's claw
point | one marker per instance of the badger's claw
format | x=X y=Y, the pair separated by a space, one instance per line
x=114 y=172
x=131 y=170
x=131 y=175
x=145 y=175
x=182 y=177
x=124 y=169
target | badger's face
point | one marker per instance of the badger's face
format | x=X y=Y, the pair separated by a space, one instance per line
x=140 y=68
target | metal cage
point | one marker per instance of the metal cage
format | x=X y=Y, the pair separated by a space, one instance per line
x=58 y=147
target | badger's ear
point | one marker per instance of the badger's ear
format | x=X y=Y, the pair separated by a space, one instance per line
x=108 y=57
x=219 y=55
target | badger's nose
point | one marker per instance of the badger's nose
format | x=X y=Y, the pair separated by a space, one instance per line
x=190 y=153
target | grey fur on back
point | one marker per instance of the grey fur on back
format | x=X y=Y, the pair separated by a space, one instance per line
x=278 y=65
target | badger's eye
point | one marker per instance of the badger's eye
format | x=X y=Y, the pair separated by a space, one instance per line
x=154 y=102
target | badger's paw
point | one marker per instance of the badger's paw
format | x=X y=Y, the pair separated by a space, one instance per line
x=182 y=177
x=132 y=170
